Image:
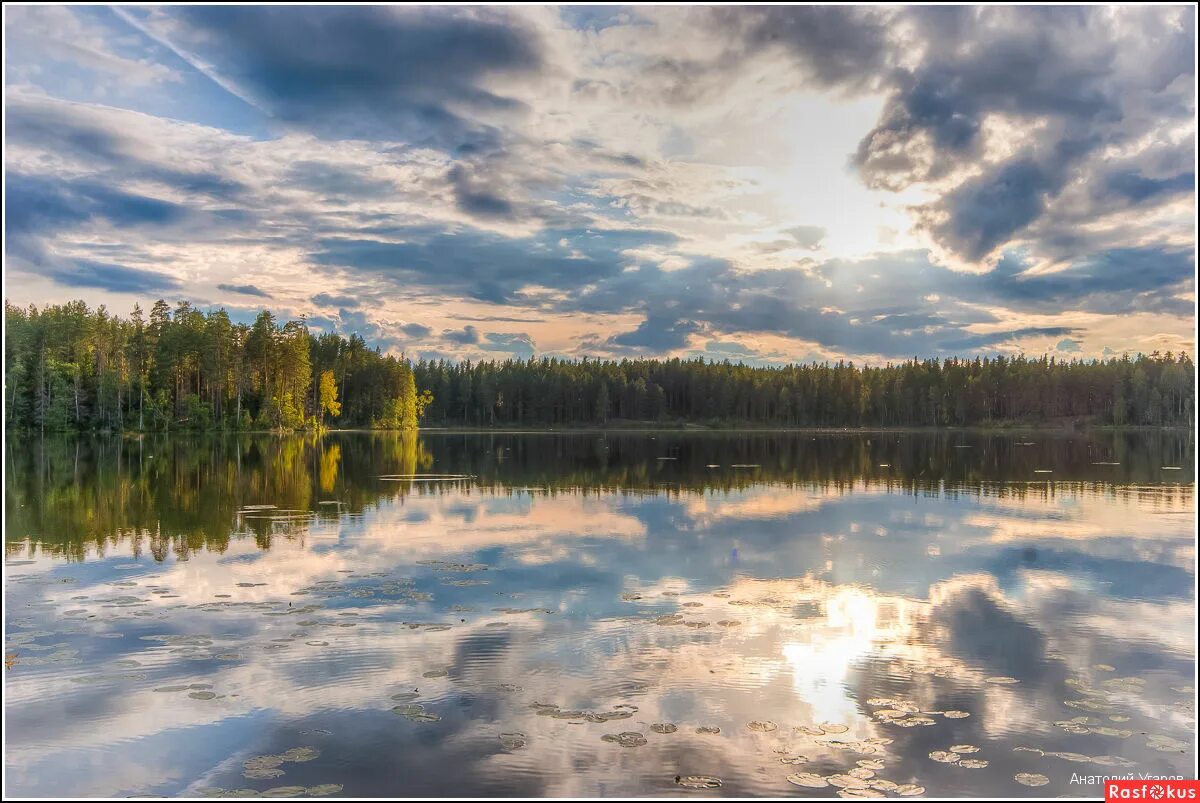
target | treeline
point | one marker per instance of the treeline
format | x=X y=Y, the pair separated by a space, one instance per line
x=68 y=367
x=1146 y=390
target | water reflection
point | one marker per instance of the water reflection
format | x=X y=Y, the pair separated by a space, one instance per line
x=527 y=596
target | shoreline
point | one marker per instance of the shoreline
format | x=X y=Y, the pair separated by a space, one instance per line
x=993 y=429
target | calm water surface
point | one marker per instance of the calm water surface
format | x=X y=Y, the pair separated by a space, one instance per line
x=578 y=614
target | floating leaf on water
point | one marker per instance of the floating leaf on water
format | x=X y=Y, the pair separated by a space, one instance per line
x=1113 y=761
x=884 y=785
x=323 y=790
x=973 y=763
x=415 y=712
x=864 y=773
x=299 y=754
x=698 y=781
x=663 y=727
x=262 y=773
x=513 y=741
x=955 y=714
x=729 y=623
x=708 y=729
x=1104 y=667
x=909 y=790
x=1002 y=680
x=1166 y=744
x=181 y=687
x=808 y=779
x=870 y=764
x=202 y=695
x=1031 y=779
x=435 y=673
x=856 y=792
x=625 y=739
x=964 y=748
x=833 y=727
x=405 y=696
x=1078 y=757
x=762 y=726
x=284 y=791
x=944 y=756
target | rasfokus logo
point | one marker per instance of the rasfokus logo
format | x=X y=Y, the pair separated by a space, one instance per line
x=1152 y=789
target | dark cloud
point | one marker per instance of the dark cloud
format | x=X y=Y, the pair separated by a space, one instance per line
x=833 y=46
x=328 y=300
x=1073 y=79
x=1133 y=186
x=987 y=211
x=114 y=278
x=475 y=198
x=467 y=336
x=244 y=289
x=416 y=330
x=39 y=203
x=489 y=266
x=383 y=73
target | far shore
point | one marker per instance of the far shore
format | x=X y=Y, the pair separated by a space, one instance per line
x=1049 y=428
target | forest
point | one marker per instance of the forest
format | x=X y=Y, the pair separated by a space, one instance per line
x=68 y=367
x=1153 y=390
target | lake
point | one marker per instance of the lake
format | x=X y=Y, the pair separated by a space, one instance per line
x=585 y=614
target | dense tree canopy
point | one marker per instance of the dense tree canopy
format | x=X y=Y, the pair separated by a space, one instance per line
x=69 y=367
x=1147 y=390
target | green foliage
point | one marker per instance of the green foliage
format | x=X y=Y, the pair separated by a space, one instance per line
x=68 y=367
x=1146 y=390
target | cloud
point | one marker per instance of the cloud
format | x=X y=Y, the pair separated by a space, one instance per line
x=328 y=300
x=633 y=181
x=519 y=344
x=1063 y=84
x=244 y=289
x=115 y=278
x=392 y=74
x=1068 y=345
x=466 y=336
x=809 y=237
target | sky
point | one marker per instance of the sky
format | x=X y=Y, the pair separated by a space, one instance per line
x=763 y=184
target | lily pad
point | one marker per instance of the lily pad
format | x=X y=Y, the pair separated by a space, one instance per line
x=513 y=741
x=808 y=779
x=1031 y=779
x=698 y=781
x=625 y=739
x=323 y=790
